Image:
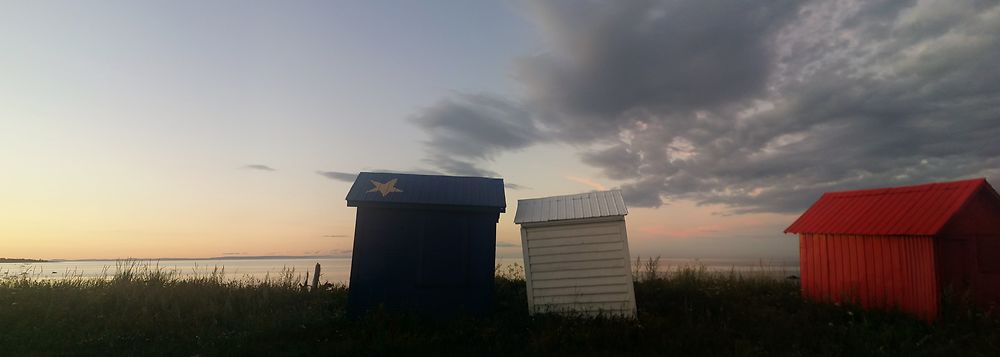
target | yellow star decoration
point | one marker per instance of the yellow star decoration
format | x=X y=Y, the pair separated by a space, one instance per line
x=385 y=188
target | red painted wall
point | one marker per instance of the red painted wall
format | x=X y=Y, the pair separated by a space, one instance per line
x=874 y=271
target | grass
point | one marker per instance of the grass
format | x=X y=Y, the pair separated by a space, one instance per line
x=144 y=310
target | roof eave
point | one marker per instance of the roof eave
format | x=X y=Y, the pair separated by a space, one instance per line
x=363 y=204
x=571 y=221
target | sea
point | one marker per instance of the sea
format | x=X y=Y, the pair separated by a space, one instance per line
x=333 y=270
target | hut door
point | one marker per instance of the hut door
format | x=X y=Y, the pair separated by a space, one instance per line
x=444 y=252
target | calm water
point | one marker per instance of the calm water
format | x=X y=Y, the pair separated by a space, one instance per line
x=334 y=270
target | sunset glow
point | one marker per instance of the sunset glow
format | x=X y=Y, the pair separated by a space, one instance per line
x=194 y=129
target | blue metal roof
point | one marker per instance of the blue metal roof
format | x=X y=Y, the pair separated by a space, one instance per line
x=409 y=189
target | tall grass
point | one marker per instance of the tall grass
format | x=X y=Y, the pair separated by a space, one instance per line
x=142 y=309
x=139 y=306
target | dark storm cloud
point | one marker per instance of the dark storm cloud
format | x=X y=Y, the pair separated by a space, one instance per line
x=614 y=60
x=618 y=162
x=890 y=105
x=643 y=193
x=338 y=176
x=762 y=106
x=259 y=167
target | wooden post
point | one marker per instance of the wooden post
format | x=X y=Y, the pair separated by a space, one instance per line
x=316 y=278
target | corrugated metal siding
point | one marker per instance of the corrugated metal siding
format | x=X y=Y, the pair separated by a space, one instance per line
x=429 y=190
x=911 y=210
x=578 y=268
x=579 y=206
x=873 y=271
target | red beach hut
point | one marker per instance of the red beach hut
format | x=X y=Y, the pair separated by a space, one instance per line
x=902 y=246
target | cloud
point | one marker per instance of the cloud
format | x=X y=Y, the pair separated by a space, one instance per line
x=335 y=236
x=234 y=253
x=468 y=128
x=758 y=106
x=338 y=176
x=514 y=186
x=258 y=167
x=501 y=244
x=617 y=161
x=351 y=177
x=612 y=62
x=454 y=166
x=587 y=182
x=412 y=171
x=340 y=253
x=476 y=126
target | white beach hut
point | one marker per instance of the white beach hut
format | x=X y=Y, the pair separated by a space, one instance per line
x=576 y=257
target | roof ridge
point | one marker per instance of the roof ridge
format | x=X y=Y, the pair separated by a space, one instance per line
x=883 y=190
x=568 y=195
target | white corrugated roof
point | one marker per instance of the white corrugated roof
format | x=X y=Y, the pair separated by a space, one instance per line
x=579 y=206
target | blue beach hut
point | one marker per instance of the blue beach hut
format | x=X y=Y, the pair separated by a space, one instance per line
x=424 y=244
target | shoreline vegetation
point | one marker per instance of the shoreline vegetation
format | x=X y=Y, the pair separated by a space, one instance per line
x=143 y=309
x=22 y=260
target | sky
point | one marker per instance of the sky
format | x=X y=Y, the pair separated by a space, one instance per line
x=203 y=129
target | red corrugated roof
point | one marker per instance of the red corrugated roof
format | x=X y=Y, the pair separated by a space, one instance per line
x=909 y=210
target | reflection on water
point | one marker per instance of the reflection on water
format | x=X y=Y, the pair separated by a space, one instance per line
x=334 y=270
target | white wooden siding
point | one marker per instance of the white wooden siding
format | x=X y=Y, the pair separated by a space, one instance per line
x=578 y=267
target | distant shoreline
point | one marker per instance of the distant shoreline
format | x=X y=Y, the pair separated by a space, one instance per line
x=235 y=257
x=22 y=260
x=666 y=261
